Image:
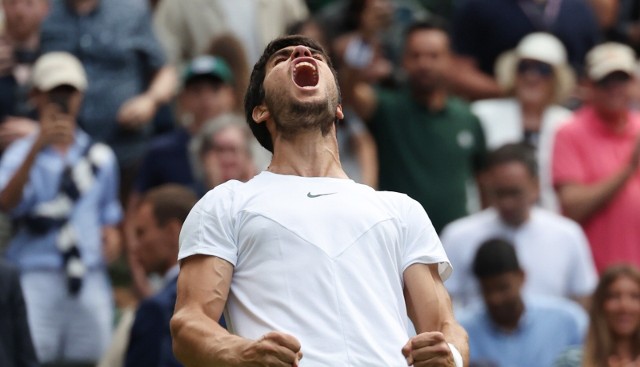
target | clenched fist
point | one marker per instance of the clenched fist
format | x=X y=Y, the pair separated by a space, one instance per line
x=274 y=349
x=428 y=349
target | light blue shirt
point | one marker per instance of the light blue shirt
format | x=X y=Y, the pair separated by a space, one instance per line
x=547 y=327
x=96 y=208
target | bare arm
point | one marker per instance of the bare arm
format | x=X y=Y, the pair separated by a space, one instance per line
x=466 y=80
x=357 y=93
x=430 y=310
x=198 y=339
x=141 y=108
x=580 y=201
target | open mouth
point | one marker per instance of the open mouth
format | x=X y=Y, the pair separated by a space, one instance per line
x=305 y=74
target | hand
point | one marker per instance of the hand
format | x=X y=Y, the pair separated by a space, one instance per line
x=56 y=128
x=428 y=349
x=14 y=128
x=273 y=349
x=137 y=111
x=111 y=244
x=635 y=155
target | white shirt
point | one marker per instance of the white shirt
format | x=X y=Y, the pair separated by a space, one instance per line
x=501 y=121
x=319 y=258
x=552 y=250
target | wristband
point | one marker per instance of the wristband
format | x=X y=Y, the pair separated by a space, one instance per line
x=457 y=357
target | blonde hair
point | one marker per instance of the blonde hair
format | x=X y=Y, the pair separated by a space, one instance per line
x=600 y=344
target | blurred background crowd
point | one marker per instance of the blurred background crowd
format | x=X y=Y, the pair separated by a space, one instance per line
x=514 y=123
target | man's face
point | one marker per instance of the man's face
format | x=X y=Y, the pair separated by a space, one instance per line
x=301 y=93
x=426 y=59
x=228 y=158
x=205 y=98
x=501 y=294
x=612 y=94
x=23 y=17
x=153 y=241
x=513 y=190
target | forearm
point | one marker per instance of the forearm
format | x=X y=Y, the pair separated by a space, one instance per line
x=455 y=334
x=163 y=85
x=11 y=196
x=201 y=342
x=579 y=202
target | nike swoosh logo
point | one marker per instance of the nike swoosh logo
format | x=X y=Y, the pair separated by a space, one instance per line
x=310 y=195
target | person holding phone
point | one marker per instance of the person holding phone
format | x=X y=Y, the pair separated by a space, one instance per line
x=60 y=188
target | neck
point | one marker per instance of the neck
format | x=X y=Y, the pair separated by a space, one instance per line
x=83 y=7
x=434 y=99
x=624 y=348
x=615 y=120
x=308 y=154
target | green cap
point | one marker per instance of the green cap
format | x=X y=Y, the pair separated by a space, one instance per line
x=207 y=66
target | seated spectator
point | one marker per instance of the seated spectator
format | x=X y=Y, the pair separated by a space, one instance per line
x=129 y=78
x=538 y=78
x=16 y=348
x=614 y=329
x=510 y=329
x=596 y=158
x=158 y=222
x=553 y=250
x=60 y=188
x=223 y=151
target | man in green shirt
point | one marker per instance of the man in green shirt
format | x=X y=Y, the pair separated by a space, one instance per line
x=429 y=143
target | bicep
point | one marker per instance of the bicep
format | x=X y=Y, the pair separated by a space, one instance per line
x=428 y=303
x=203 y=285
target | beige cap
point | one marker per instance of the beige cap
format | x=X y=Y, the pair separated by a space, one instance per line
x=54 y=69
x=542 y=47
x=609 y=57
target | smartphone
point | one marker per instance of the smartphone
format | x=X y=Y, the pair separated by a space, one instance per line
x=61 y=99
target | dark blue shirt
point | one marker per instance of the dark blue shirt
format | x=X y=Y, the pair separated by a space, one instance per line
x=483 y=29
x=167 y=161
x=120 y=54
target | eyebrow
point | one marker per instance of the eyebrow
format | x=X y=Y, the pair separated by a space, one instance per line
x=289 y=49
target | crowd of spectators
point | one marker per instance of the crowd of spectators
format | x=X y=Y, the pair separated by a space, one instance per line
x=514 y=124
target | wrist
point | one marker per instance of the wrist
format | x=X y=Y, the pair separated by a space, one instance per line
x=457 y=357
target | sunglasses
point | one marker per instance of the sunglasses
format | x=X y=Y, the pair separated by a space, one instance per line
x=613 y=79
x=532 y=66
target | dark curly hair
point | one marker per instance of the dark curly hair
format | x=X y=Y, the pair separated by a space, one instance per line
x=255 y=92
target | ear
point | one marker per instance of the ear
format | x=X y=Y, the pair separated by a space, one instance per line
x=339 y=113
x=260 y=113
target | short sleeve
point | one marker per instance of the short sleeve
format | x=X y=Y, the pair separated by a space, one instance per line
x=422 y=244
x=208 y=229
x=110 y=207
x=566 y=167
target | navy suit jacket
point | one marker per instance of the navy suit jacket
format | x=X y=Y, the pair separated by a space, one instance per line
x=16 y=347
x=150 y=340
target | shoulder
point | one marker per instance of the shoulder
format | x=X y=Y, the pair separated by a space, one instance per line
x=470 y=225
x=552 y=221
x=558 y=310
x=168 y=142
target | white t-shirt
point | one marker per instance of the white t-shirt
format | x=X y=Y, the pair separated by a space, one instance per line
x=319 y=258
x=552 y=250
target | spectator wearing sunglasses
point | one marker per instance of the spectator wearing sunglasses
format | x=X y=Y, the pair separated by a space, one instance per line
x=537 y=77
x=596 y=158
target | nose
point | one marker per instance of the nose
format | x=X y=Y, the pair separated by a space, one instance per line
x=300 y=51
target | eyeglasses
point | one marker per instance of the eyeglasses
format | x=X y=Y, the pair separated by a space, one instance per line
x=613 y=79
x=532 y=66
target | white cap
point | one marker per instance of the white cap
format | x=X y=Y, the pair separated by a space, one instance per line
x=542 y=47
x=54 y=69
x=609 y=57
